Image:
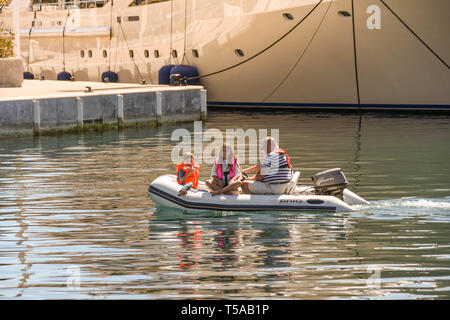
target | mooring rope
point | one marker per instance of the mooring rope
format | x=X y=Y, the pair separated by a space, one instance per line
x=110 y=35
x=64 y=42
x=355 y=58
x=263 y=50
x=132 y=56
x=415 y=34
x=301 y=56
x=185 y=33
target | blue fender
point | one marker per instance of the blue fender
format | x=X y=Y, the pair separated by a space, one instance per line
x=164 y=74
x=28 y=75
x=185 y=71
x=112 y=76
x=64 y=75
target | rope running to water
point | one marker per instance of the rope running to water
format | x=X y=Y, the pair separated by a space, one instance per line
x=132 y=57
x=263 y=50
x=301 y=56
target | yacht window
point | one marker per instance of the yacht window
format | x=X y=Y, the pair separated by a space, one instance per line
x=135 y=3
x=239 y=52
x=344 y=13
x=288 y=16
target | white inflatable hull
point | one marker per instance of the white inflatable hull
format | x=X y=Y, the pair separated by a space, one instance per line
x=164 y=191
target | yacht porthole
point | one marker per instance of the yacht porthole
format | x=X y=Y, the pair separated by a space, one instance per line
x=156 y=53
x=82 y=53
x=195 y=53
x=344 y=13
x=239 y=52
x=174 y=53
x=131 y=53
x=288 y=16
x=90 y=53
x=146 y=54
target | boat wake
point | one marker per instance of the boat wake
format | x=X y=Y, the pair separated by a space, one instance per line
x=407 y=207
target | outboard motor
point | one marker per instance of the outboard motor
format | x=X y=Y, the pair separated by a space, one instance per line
x=330 y=182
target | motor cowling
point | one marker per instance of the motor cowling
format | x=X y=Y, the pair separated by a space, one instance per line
x=330 y=182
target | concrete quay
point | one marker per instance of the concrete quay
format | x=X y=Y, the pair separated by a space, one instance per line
x=47 y=107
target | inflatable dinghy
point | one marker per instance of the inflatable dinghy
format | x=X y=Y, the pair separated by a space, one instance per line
x=328 y=194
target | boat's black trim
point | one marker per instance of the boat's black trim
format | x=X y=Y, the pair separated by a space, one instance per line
x=228 y=207
x=355 y=56
x=330 y=106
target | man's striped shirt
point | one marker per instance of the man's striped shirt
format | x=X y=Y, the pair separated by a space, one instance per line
x=275 y=169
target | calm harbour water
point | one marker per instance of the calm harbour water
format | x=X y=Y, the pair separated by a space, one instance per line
x=76 y=221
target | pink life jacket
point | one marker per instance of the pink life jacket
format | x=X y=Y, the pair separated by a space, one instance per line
x=219 y=169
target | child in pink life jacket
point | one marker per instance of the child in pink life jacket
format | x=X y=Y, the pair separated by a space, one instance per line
x=225 y=174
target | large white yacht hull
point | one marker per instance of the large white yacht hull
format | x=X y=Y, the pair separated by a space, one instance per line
x=321 y=58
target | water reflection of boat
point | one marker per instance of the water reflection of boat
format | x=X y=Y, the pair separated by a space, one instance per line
x=164 y=191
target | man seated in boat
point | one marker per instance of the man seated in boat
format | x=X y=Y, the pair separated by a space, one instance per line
x=187 y=173
x=273 y=174
x=225 y=174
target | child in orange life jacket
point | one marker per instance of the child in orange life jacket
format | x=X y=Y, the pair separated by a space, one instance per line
x=225 y=174
x=187 y=173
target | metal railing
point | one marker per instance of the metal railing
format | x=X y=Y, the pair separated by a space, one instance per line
x=81 y=4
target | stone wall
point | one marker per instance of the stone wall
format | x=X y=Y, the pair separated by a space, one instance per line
x=11 y=72
x=54 y=115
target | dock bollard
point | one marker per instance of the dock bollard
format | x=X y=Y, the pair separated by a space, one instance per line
x=36 y=118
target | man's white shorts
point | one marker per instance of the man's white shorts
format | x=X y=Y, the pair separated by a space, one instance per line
x=258 y=187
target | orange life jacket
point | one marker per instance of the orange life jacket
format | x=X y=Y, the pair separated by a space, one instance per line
x=288 y=159
x=192 y=177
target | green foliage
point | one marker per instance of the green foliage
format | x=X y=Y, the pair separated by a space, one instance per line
x=6 y=43
x=6 y=37
x=4 y=3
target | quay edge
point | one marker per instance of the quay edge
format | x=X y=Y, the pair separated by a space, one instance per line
x=59 y=108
